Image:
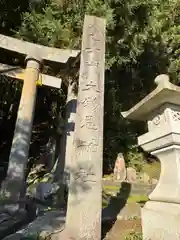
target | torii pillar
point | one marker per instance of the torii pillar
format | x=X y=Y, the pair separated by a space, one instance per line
x=12 y=187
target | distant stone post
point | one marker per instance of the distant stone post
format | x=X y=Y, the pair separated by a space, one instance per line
x=161 y=110
x=85 y=191
x=13 y=184
x=120 y=168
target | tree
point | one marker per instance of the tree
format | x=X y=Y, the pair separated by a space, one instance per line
x=11 y=13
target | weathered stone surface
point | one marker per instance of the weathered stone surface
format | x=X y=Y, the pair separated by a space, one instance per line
x=11 y=223
x=48 y=53
x=168 y=188
x=85 y=191
x=13 y=185
x=62 y=235
x=119 y=168
x=131 y=174
x=43 y=226
x=161 y=221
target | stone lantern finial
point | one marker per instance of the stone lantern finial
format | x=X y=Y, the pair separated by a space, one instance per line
x=162 y=80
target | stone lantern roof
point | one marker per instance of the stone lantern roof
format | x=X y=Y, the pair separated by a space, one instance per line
x=165 y=92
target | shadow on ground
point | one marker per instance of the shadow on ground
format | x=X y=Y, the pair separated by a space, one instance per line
x=116 y=204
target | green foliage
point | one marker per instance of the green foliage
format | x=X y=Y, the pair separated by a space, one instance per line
x=11 y=13
x=135 y=158
x=134 y=236
x=59 y=25
x=165 y=33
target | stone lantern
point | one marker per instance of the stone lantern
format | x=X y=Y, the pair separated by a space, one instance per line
x=161 y=110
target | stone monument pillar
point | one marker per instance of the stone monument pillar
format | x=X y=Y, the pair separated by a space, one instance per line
x=62 y=173
x=161 y=110
x=85 y=190
x=13 y=184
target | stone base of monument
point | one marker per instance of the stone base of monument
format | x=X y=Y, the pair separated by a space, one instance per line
x=161 y=221
x=49 y=224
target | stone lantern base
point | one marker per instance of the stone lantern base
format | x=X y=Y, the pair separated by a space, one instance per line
x=161 y=221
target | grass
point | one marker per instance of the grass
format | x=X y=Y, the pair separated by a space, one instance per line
x=141 y=199
x=133 y=236
x=137 y=198
x=114 y=188
x=134 y=198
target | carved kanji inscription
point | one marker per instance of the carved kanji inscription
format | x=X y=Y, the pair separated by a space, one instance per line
x=85 y=174
x=94 y=37
x=90 y=84
x=89 y=122
x=90 y=102
x=88 y=138
x=93 y=63
x=87 y=146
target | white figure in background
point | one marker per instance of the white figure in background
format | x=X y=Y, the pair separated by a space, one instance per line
x=119 y=168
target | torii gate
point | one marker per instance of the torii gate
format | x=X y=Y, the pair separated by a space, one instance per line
x=34 y=56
